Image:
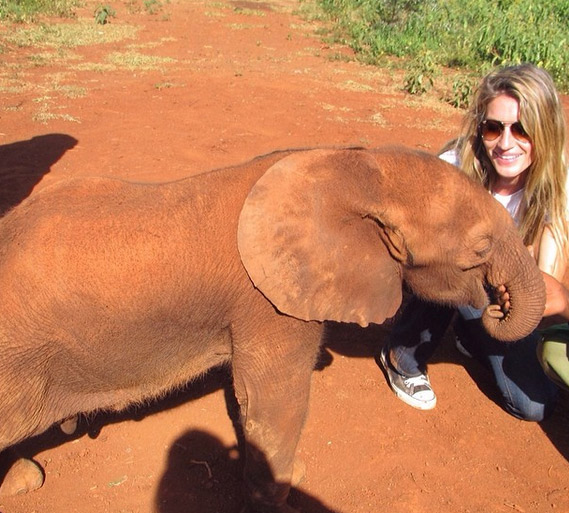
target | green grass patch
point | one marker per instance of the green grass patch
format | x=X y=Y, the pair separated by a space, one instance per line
x=49 y=57
x=471 y=37
x=103 y=14
x=27 y=11
x=95 y=67
x=44 y=116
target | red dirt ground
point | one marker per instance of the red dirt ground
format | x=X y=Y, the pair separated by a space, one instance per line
x=246 y=78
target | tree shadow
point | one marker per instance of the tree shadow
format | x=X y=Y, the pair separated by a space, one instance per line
x=203 y=475
x=24 y=163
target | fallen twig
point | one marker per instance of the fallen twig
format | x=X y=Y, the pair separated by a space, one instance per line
x=206 y=465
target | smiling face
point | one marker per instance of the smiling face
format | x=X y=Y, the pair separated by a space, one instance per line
x=510 y=157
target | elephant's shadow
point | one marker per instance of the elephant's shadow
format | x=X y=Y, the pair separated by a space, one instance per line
x=201 y=473
x=24 y=163
x=554 y=427
x=353 y=341
x=215 y=379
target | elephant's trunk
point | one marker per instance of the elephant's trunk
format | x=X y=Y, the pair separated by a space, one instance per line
x=526 y=288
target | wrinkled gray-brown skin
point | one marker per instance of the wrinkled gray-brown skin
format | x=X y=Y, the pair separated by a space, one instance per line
x=115 y=292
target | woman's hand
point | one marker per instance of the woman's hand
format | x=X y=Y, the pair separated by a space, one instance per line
x=556 y=297
x=550 y=263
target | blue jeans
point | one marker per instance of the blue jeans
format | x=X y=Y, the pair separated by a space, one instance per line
x=526 y=391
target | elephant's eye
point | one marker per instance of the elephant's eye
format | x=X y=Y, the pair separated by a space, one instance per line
x=476 y=254
x=482 y=247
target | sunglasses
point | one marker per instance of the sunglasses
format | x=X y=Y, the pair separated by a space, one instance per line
x=491 y=129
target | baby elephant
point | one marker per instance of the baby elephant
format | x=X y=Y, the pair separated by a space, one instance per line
x=116 y=292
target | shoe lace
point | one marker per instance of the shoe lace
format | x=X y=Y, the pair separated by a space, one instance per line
x=416 y=381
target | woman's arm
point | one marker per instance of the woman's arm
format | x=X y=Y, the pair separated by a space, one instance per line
x=553 y=265
x=551 y=259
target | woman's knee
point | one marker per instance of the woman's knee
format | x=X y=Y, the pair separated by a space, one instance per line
x=526 y=391
x=530 y=411
x=553 y=354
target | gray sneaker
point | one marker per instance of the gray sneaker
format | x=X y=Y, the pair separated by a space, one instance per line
x=416 y=391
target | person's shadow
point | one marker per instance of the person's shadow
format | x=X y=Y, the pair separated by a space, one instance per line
x=24 y=163
x=203 y=475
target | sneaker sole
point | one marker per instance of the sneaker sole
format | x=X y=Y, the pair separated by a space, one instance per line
x=419 y=405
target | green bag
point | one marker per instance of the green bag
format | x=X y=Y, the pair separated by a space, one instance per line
x=553 y=353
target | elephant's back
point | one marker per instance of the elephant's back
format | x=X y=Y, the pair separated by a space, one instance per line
x=110 y=239
x=104 y=243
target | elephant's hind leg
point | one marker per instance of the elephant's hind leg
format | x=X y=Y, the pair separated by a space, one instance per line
x=19 y=475
x=24 y=412
x=272 y=371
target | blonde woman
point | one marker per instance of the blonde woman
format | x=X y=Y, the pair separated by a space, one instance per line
x=514 y=144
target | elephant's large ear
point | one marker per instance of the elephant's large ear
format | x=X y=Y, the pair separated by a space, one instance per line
x=309 y=245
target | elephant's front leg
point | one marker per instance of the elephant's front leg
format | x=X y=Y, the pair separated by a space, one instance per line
x=272 y=368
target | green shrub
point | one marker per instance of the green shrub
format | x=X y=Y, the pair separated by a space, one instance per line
x=473 y=35
x=420 y=77
x=462 y=91
x=103 y=14
x=25 y=11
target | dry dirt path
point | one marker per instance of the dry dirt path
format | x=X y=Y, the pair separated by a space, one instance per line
x=198 y=85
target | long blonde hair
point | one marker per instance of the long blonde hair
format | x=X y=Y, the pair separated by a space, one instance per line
x=541 y=115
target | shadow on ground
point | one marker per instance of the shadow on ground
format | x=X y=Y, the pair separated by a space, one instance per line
x=353 y=341
x=203 y=475
x=24 y=163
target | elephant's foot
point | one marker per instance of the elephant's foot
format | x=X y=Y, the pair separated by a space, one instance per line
x=69 y=425
x=298 y=475
x=298 y=472
x=269 y=497
x=24 y=476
